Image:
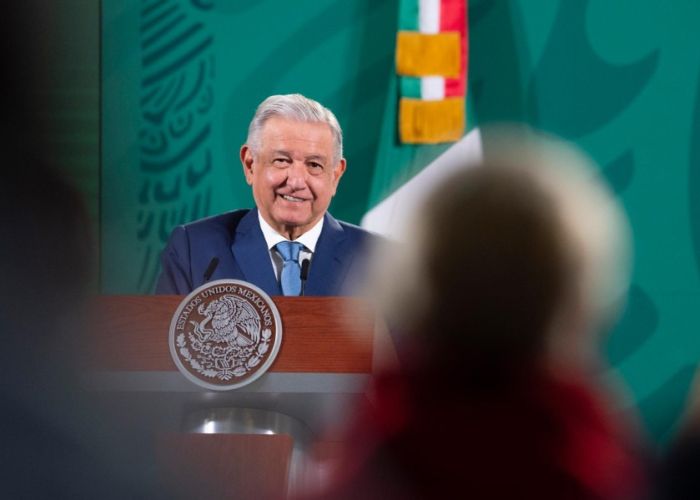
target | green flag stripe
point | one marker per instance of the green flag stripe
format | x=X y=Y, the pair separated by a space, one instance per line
x=410 y=87
x=408 y=15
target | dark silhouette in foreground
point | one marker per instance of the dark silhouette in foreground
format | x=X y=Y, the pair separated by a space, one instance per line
x=514 y=267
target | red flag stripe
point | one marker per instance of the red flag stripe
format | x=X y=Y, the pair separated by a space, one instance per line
x=453 y=17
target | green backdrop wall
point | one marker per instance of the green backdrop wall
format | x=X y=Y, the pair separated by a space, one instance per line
x=181 y=79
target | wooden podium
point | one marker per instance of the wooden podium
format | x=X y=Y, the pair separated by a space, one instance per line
x=253 y=442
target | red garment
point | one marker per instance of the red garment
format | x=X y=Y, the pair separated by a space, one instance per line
x=529 y=435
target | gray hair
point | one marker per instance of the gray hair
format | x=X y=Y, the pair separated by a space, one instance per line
x=295 y=107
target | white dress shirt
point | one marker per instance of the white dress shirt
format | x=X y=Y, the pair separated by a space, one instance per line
x=272 y=237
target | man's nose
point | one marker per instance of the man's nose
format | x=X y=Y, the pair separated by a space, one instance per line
x=296 y=175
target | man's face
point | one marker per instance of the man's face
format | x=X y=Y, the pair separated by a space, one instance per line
x=293 y=175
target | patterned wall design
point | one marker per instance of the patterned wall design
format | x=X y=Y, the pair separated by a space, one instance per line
x=176 y=98
x=621 y=81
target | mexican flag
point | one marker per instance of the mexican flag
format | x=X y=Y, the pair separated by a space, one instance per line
x=426 y=130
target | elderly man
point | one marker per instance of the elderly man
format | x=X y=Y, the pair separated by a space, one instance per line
x=290 y=244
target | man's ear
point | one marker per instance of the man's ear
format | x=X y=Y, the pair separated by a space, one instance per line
x=247 y=162
x=338 y=172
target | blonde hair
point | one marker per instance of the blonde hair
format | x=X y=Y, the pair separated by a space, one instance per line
x=502 y=249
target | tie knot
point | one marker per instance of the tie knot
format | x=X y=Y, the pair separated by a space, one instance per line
x=289 y=250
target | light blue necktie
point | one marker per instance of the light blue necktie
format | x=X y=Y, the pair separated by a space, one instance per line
x=290 y=278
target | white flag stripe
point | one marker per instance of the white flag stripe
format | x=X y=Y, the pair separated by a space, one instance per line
x=429 y=16
x=395 y=212
x=432 y=88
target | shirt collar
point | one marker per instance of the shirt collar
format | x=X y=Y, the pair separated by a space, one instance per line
x=308 y=239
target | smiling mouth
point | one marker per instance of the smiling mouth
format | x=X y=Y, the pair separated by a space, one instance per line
x=293 y=199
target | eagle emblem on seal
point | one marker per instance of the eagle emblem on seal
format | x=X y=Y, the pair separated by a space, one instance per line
x=233 y=321
x=223 y=332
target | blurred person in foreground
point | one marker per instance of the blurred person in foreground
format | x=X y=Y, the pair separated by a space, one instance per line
x=677 y=476
x=55 y=442
x=514 y=268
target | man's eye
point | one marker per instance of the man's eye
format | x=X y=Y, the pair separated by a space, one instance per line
x=315 y=165
x=280 y=161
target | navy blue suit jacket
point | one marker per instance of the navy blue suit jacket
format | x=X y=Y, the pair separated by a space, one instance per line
x=235 y=238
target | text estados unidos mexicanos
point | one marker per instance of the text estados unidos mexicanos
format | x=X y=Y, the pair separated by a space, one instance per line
x=248 y=294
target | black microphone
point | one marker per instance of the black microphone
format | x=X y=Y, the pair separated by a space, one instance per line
x=211 y=268
x=304 y=274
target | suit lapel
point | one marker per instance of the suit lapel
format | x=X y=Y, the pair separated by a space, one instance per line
x=251 y=253
x=330 y=260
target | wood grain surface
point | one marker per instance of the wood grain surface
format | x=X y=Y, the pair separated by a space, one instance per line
x=320 y=334
x=224 y=466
